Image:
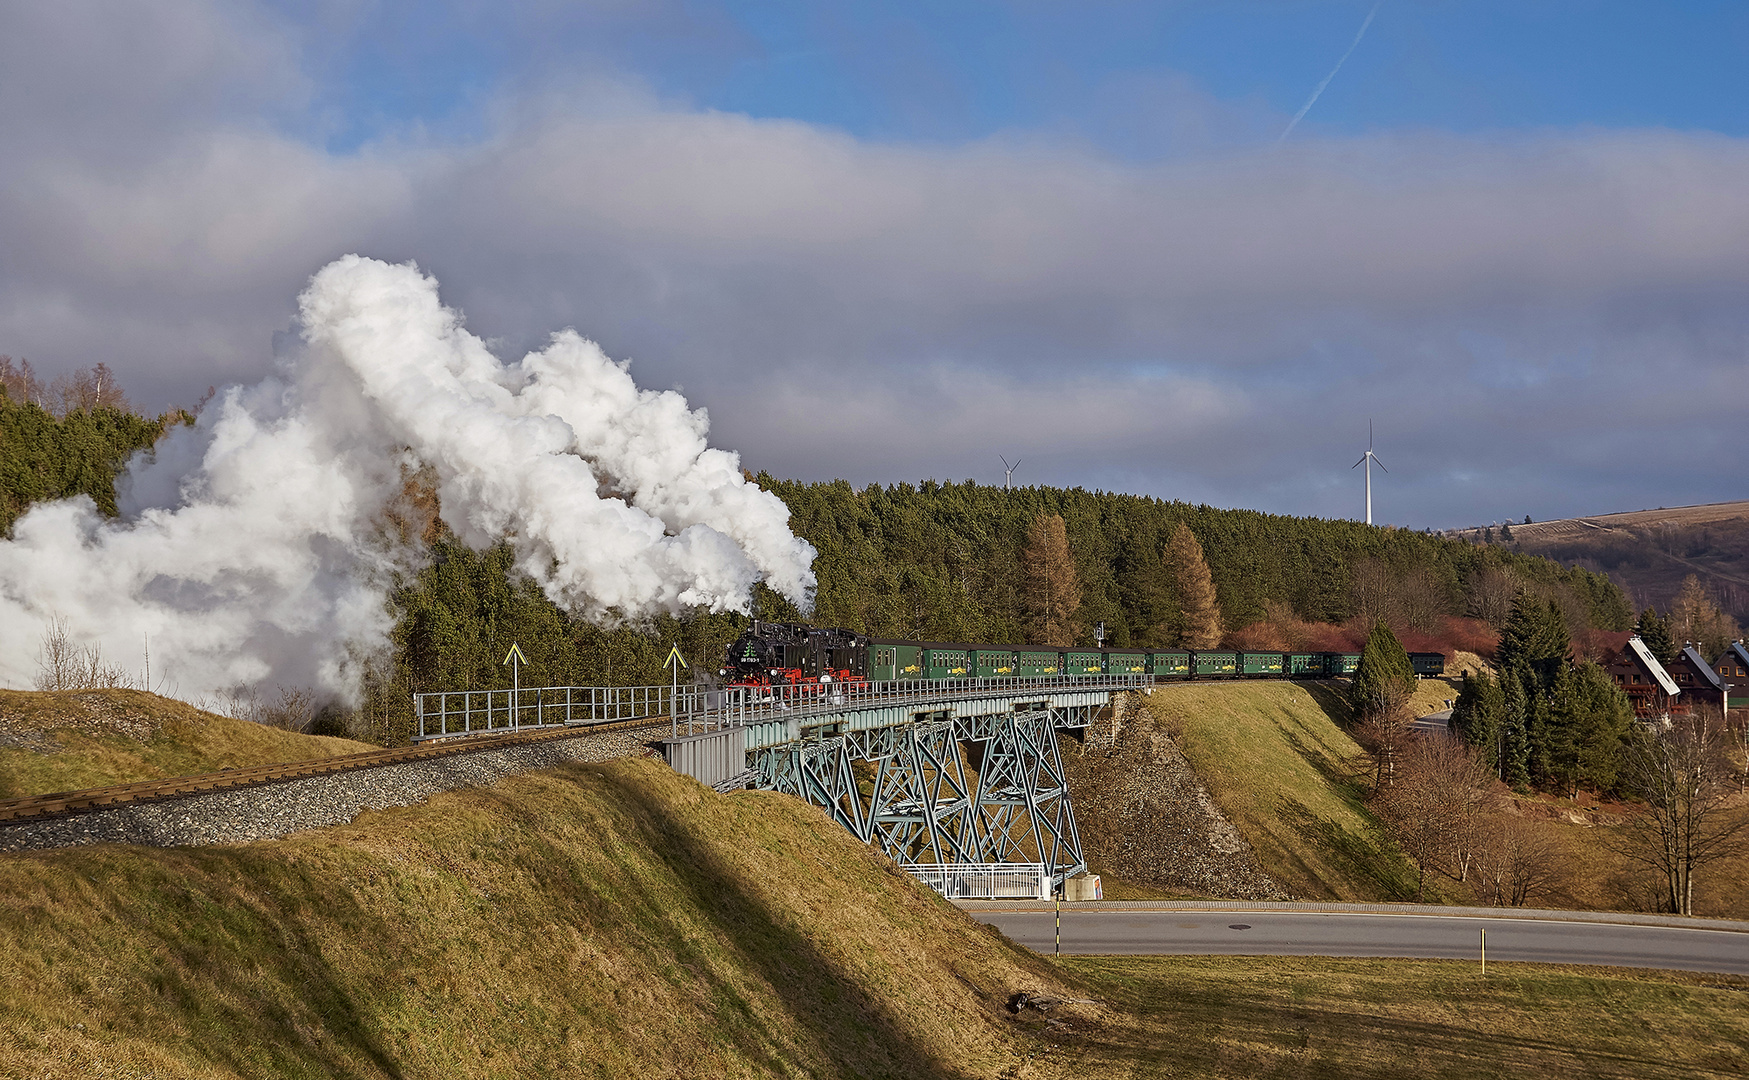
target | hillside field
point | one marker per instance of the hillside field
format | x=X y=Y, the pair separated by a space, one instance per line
x=1648 y=553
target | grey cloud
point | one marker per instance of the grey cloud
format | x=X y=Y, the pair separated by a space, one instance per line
x=1527 y=317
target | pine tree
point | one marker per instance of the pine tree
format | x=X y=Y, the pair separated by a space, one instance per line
x=1196 y=590
x=1655 y=634
x=1053 y=591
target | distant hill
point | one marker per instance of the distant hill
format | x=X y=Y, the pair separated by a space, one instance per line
x=1649 y=552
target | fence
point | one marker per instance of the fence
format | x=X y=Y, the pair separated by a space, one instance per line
x=985 y=881
x=698 y=707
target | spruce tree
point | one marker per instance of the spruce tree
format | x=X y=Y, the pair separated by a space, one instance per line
x=1384 y=678
x=1535 y=637
x=1515 y=763
x=1655 y=633
x=1592 y=720
x=1478 y=715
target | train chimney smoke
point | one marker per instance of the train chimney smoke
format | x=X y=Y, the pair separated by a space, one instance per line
x=252 y=549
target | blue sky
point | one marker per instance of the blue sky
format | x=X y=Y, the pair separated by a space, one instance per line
x=952 y=72
x=888 y=242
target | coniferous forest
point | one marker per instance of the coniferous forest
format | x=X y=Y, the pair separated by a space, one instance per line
x=934 y=561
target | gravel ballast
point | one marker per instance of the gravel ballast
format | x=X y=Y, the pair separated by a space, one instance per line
x=269 y=811
x=1145 y=816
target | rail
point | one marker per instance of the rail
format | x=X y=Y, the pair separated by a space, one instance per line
x=68 y=803
x=445 y=713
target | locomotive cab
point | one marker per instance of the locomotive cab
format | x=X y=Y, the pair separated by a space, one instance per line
x=795 y=654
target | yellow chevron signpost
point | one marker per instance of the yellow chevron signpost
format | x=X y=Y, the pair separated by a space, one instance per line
x=674 y=663
x=515 y=659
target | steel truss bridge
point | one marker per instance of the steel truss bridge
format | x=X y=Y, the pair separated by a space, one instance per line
x=963 y=771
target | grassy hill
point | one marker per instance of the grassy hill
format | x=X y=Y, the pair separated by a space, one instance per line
x=620 y=920
x=75 y=739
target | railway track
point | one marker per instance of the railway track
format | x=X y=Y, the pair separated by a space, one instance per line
x=70 y=803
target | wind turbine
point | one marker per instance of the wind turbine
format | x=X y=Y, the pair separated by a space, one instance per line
x=1008 y=483
x=1368 y=459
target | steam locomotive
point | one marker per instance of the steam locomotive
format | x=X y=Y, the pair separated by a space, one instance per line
x=771 y=654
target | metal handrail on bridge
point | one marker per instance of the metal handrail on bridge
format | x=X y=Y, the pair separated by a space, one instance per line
x=446 y=713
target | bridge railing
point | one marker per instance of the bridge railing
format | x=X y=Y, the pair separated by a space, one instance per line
x=472 y=712
x=985 y=881
x=444 y=713
x=752 y=704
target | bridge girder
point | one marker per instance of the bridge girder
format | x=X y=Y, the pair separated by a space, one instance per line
x=987 y=788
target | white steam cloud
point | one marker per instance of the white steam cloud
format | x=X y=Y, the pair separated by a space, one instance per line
x=253 y=549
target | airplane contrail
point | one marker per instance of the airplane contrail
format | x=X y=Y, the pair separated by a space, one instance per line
x=1307 y=107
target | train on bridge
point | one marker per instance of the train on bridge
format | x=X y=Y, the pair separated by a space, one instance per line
x=795 y=654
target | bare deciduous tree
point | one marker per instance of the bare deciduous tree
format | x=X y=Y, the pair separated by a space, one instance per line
x=1381 y=729
x=85 y=390
x=293 y=711
x=1694 y=617
x=1436 y=805
x=1516 y=860
x=20 y=381
x=1406 y=599
x=1685 y=779
x=64 y=664
x=1493 y=589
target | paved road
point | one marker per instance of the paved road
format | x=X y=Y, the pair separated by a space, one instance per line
x=1288 y=933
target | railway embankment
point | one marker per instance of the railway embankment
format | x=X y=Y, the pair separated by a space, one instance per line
x=279 y=807
x=1235 y=790
x=75 y=739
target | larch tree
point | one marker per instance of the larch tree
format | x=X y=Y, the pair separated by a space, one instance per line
x=1053 y=589
x=1196 y=590
x=1694 y=618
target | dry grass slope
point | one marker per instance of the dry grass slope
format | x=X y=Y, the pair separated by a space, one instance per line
x=75 y=739
x=1275 y=762
x=598 y=920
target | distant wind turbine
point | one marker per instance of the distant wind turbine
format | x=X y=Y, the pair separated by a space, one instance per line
x=1368 y=459
x=1008 y=482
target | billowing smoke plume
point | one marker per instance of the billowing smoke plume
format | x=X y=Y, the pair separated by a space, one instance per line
x=254 y=548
